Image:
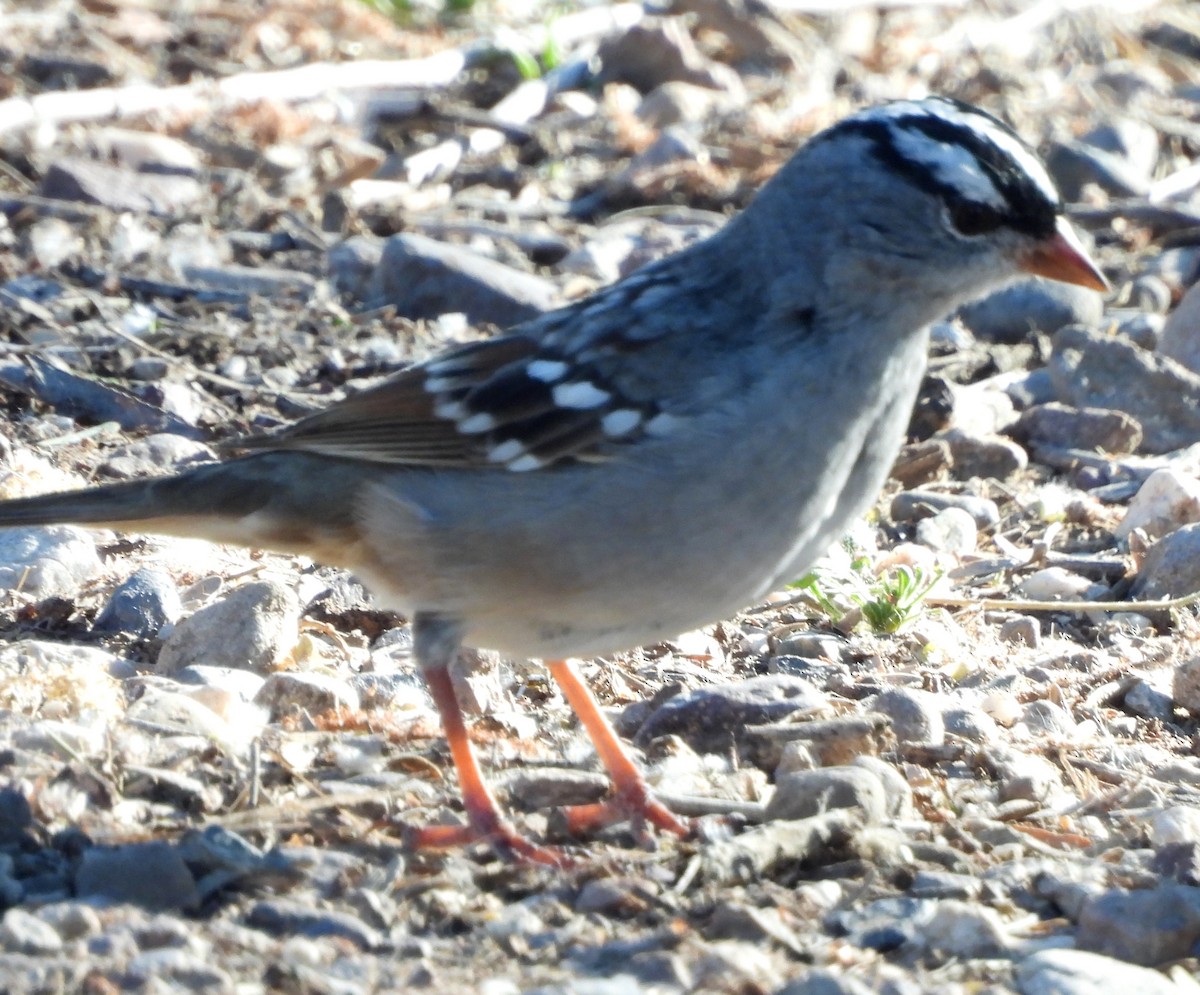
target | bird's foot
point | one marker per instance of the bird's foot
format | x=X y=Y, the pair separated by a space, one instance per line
x=634 y=803
x=500 y=835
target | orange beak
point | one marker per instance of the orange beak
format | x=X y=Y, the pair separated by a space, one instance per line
x=1061 y=257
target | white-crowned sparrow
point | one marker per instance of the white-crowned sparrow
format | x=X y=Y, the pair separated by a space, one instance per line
x=656 y=456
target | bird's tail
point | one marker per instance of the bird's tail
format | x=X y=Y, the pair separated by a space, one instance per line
x=265 y=500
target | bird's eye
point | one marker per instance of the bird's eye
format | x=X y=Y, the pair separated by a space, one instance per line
x=972 y=218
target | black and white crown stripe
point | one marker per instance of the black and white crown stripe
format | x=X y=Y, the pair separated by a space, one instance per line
x=964 y=155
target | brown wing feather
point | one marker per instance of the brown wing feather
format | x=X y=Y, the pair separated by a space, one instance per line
x=397 y=421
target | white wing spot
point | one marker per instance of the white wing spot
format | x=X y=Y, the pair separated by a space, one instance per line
x=580 y=395
x=662 y=424
x=476 y=423
x=525 y=463
x=620 y=422
x=435 y=385
x=547 y=370
x=449 y=410
x=509 y=449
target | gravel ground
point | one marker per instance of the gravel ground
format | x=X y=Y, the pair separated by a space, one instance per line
x=961 y=757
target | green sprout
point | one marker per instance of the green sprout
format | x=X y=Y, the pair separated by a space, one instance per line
x=886 y=603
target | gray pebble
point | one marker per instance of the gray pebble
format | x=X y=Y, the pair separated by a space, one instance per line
x=1185 y=685
x=951 y=530
x=912 y=506
x=970 y=724
x=142 y=605
x=805 y=793
x=713 y=719
x=283 y=917
x=287 y=692
x=45 y=562
x=987 y=457
x=1143 y=330
x=1061 y=425
x=1092 y=370
x=119 y=189
x=1077 y=972
x=424 y=278
x=154 y=455
x=1075 y=165
x=252 y=627
x=1149 y=702
x=24 y=933
x=152 y=875
x=915 y=716
x=351 y=265
x=1009 y=315
x=1171 y=567
x=1023 y=629
x=1147 y=927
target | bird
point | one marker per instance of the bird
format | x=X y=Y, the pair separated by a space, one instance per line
x=649 y=459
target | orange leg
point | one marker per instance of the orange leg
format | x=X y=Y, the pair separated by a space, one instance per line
x=436 y=645
x=632 y=795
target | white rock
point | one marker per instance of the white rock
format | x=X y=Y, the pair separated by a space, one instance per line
x=1178 y=824
x=47 y=561
x=1167 y=500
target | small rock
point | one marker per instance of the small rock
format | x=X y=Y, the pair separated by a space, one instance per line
x=912 y=506
x=1075 y=165
x=964 y=930
x=676 y=102
x=1023 y=629
x=252 y=628
x=974 y=456
x=673 y=145
x=1148 y=701
x=1165 y=501
x=1171 y=567
x=141 y=606
x=154 y=455
x=23 y=933
x=1010 y=315
x=1180 y=339
x=657 y=51
x=287 y=918
x=1134 y=141
x=287 y=692
x=152 y=875
x=805 y=793
x=951 y=530
x=145 y=151
x=971 y=724
x=1143 y=330
x=45 y=562
x=351 y=265
x=1094 y=370
x=1185 y=685
x=1147 y=927
x=424 y=278
x=713 y=719
x=1177 y=824
x=1060 y=425
x=1054 y=584
x=71 y=920
x=1076 y=972
x=120 y=189
x=914 y=715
